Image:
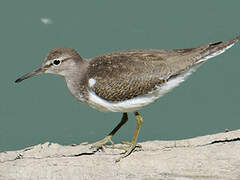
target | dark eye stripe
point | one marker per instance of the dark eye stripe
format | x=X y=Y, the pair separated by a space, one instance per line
x=51 y=64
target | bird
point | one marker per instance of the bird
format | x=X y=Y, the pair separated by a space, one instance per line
x=125 y=81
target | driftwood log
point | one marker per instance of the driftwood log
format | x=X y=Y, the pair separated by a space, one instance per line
x=212 y=157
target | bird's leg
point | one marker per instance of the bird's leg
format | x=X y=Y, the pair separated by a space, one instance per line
x=133 y=144
x=99 y=144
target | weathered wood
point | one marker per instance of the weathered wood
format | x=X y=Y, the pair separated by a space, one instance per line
x=212 y=157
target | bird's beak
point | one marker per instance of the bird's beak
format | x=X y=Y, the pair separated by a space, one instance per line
x=31 y=74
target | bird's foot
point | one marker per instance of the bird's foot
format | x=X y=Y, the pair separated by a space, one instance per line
x=128 y=143
x=101 y=143
x=127 y=147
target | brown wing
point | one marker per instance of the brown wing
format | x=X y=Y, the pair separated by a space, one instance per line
x=127 y=74
x=123 y=77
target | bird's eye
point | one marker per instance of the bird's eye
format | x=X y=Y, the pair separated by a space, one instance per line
x=56 y=62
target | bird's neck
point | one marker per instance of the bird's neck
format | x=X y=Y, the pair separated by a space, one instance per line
x=76 y=80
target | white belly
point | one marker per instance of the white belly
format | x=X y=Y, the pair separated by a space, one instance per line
x=130 y=105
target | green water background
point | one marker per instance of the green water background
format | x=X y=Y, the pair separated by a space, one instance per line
x=42 y=109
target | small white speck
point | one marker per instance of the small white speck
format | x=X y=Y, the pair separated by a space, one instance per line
x=91 y=82
x=46 y=20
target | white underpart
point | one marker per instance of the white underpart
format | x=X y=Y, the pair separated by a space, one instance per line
x=140 y=102
x=91 y=82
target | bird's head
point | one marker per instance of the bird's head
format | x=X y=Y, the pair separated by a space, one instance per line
x=59 y=61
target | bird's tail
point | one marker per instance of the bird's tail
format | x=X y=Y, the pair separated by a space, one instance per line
x=215 y=49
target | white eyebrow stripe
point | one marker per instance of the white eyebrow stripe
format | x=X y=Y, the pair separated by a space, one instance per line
x=62 y=58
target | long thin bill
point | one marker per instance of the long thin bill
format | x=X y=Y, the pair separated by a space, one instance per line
x=31 y=74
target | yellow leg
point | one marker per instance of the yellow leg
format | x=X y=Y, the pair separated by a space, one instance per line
x=99 y=144
x=132 y=146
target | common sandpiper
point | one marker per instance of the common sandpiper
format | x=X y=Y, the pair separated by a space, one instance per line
x=125 y=81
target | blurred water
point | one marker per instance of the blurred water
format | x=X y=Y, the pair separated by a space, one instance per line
x=41 y=109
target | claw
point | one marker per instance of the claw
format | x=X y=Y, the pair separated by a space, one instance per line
x=128 y=143
x=127 y=152
x=100 y=144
